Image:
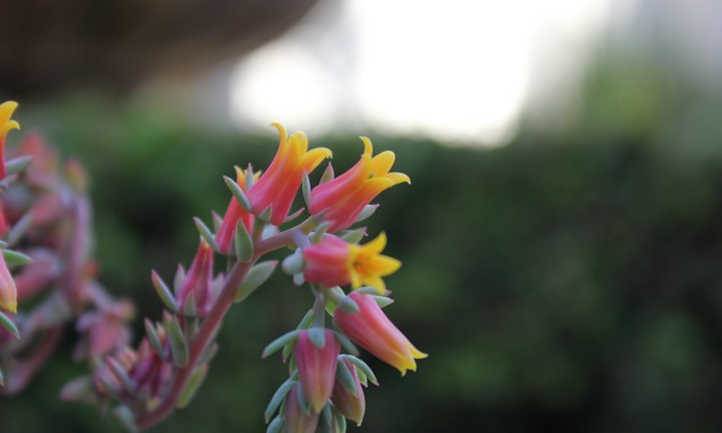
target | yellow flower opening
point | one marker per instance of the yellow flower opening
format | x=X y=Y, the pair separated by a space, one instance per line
x=366 y=265
x=6 y=112
x=295 y=148
x=378 y=177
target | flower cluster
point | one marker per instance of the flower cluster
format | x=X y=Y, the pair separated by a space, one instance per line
x=45 y=265
x=148 y=382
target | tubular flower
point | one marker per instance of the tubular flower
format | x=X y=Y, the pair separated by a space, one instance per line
x=279 y=184
x=8 y=291
x=234 y=213
x=317 y=368
x=198 y=281
x=344 y=197
x=335 y=262
x=352 y=406
x=6 y=124
x=299 y=420
x=372 y=330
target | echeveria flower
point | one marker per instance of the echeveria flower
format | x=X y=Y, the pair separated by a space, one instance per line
x=335 y=262
x=344 y=197
x=372 y=330
x=279 y=184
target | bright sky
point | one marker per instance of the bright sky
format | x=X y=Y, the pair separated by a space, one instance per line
x=454 y=70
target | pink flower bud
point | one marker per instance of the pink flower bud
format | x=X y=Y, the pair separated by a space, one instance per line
x=199 y=279
x=148 y=372
x=298 y=420
x=352 y=406
x=372 y=330
x=317 y=368
x=8 y=291
x=279 y=184
x=234 y=213
x=344 y=197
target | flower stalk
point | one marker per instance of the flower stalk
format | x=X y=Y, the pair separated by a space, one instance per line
x=167 y=368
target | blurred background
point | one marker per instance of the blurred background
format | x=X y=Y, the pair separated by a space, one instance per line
x=561 y=240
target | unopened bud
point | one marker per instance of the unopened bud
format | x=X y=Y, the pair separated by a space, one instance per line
x=349 y=398
x=298 y=419
x=317 y=367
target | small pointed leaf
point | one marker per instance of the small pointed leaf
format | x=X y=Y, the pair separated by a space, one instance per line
x=178 y=342
x=206 y=233
x=317 y=335
x=152 y=334
x=238 y=193
x=256 y=276
x=383 y=301
x=243 y=243
x=327 y=174
x=163 y=292
x=16 y=258
x=194 y=382
x=343 y=374
x=361 y=366
x=278 y=398
x=8 y=324
x=306 y=190
x=346 y=343
x=276 y=345
x=16 y=165
x=276 y=426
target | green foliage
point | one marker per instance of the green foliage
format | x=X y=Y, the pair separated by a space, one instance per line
x=571 y=284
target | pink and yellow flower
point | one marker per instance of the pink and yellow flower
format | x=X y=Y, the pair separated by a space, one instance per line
x=344 y=197
x=234 y=213
x=372 y=330
x=317 y=368
x=6 y=124
x=335 y=262
x=279 y=184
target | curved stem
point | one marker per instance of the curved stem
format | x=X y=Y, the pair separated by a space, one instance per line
x=209 y=327
x=198 y=346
